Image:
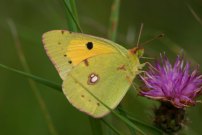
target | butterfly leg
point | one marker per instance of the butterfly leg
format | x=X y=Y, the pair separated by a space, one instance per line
x=141 y=66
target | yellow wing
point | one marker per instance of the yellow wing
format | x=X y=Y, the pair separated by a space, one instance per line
x=80 y=49
x=107 y=77
x=68 y=49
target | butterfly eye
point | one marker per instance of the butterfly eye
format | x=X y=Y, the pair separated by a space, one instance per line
x=89 y=45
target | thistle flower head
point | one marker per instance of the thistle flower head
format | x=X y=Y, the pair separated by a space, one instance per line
x=175 y=84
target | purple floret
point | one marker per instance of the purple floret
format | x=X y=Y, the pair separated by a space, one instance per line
x=176 y=84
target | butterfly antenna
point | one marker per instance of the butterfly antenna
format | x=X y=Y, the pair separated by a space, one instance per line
x=154 y=38
x=139 y=36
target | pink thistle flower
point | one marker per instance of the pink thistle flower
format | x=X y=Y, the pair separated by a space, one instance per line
x=175 y=84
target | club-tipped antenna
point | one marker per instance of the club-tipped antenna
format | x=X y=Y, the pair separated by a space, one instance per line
x=139 y=36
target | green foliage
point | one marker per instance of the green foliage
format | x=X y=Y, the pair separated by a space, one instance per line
x=21 y=114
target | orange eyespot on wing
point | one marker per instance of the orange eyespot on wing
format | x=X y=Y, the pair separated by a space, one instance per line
x=79 y=50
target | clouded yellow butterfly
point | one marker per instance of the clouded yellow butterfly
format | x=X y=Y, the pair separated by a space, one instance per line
x=105 y=68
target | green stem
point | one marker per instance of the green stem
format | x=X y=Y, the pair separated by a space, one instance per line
x=112 y=34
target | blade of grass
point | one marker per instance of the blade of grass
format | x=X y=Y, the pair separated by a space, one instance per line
x=112 y=33
x=198 y=19
x=147 y=128
x=141 y=124
x=74 y=9
x=111 y=127
x=95 y=126
x=32 y=84
x=126 y=121
x=33 y=77
x=122 y=112
x=72 y=21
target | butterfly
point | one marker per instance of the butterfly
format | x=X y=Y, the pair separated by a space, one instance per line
x=83 y=62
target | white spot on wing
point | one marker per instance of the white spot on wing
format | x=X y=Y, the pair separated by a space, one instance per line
x=93 y=78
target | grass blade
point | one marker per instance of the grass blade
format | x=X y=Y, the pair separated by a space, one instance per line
x=72 y=21
x=198 y=19
x=122 y=112
x=32 y=84
x=74 y=9
x=147 y=128
x=112 y=33
x=95 y=126
x=111 y=127
x=33 y=77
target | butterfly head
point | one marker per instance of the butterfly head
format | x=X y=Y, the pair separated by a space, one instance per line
x=138 y=51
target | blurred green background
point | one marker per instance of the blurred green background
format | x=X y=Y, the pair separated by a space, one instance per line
x=20 y=111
